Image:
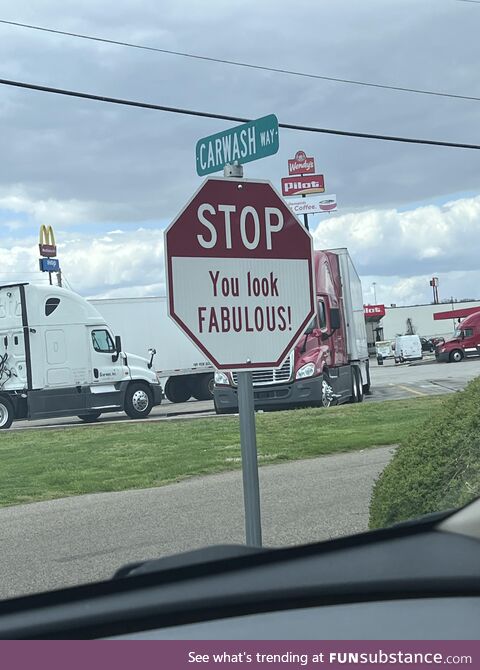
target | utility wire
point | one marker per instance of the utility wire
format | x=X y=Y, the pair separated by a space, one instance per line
x=225 y=117
x=252 y=66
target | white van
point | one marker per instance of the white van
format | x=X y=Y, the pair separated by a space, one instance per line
x=384 y=349
x=58 y=357
x=408 y=348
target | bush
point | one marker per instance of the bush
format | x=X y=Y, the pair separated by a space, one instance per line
x=438 y=466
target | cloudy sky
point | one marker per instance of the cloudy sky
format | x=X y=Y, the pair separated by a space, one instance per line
x=109 y=178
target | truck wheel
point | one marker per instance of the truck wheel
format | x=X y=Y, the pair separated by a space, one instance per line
x=358 y=375
x=328 y=394
x=366 y=387
x=177 y=390
x=6 y=413
x=138 y=401
x=354 y=396
x=456 y=356
x=90 y=417
x=202 y=387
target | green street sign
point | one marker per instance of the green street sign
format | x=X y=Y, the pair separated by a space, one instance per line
x=241 y=144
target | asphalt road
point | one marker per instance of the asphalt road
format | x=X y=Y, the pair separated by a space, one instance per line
x=65 y=542
x=389 y=382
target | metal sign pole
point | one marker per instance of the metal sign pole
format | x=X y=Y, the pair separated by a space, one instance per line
x=305 y=216
x=248 y=442
x=248 y=436
x=305 y=220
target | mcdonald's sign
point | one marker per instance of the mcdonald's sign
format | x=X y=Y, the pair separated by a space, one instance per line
x=46 y=244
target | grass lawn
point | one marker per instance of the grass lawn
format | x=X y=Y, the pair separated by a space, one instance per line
x=45 y=464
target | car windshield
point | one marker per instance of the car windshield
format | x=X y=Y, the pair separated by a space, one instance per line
x=281 y=201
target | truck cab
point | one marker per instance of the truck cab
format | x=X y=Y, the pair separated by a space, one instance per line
x=465 y=342
x=59 y=358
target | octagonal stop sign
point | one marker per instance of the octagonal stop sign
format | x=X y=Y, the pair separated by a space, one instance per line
x=239 y=274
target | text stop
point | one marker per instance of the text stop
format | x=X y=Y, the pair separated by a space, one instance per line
x=256 y=226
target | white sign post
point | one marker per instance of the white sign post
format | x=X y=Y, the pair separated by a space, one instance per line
x=240 y=286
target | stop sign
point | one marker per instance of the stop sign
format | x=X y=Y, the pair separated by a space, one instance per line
x=239 y=274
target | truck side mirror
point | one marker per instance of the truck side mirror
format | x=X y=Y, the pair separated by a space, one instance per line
x=118 y=348
x=335 y=321
x=152 y=353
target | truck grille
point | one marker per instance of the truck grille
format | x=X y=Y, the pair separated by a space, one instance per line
x=270 y=375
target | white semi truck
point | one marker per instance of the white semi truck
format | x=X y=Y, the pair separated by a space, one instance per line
x=59 y=358
x=144 y=323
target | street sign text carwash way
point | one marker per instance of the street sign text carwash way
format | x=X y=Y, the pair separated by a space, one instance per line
x=240 y=144
x=239 y=273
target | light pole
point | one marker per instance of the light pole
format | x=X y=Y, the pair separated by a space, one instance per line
x=374 y=284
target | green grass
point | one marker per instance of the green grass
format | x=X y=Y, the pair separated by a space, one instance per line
x=45 y=464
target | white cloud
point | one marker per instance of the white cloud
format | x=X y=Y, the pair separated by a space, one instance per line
x=132 y=261
x=426 y=240
x=417 y=290
x=399 y=251
x=45 y=211
x=13 y=225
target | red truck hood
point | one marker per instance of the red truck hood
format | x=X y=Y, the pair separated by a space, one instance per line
x=315 y=355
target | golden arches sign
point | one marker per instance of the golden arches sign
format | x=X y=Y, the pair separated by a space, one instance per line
x=46 y=242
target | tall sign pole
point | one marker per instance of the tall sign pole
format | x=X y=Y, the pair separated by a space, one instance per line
x=48 y=249
x=248 y=436
x=305 y=216
x=253 y=293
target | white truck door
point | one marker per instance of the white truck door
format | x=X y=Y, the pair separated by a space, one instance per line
x=12 y=342
x=103 y=369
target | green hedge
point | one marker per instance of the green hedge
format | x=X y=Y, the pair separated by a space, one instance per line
x=437 y=467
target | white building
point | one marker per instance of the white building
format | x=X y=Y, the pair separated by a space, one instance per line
x=419 y=318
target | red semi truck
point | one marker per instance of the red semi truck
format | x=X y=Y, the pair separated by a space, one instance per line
x=465 y=342
x=329 y=364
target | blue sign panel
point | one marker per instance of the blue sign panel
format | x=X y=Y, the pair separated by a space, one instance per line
x=49 y=265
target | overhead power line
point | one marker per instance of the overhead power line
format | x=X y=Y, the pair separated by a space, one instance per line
x=225 y=117
x=252 y=66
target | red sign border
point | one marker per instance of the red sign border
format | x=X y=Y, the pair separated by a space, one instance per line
x=186 y=330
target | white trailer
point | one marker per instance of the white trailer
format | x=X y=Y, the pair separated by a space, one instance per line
x=144 y=324
x=353 y=311
x=59 y=357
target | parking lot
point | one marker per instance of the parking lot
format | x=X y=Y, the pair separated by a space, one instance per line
x=389 y=382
